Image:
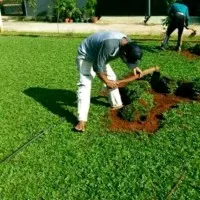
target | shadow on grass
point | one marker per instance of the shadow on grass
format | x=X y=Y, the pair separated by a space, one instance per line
x=55 y=100
x=99 y=101
x=150 y=48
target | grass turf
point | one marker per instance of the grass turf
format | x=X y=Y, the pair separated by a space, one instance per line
x=38 y=91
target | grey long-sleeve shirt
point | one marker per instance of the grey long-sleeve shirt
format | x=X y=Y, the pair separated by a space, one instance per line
x=100 y=48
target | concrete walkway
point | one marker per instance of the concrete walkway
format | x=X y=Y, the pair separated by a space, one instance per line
x=134 y=27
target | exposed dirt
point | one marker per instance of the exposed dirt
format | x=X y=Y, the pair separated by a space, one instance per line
x=151 y=124
x=189 y=55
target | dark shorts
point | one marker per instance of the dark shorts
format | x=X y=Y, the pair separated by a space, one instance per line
x=177 y=22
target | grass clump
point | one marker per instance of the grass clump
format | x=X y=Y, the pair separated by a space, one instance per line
x=139 y=101
x=133 y=90
x=166 y=85
x=138 y=109
x=196 y=49
x=190 y=89
x=163 y=84
x=196 y=87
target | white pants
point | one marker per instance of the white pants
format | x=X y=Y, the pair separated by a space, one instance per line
x=87 y=74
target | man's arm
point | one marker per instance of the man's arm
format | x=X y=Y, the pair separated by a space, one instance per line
x=108 y=50
x=136 y=72
x=109 y=83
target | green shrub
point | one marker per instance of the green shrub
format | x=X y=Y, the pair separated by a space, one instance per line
x=11 y=1
x=64 y=9
x=77 y=15
x=90 y=7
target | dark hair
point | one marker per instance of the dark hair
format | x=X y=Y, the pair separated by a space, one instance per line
x=132 y=52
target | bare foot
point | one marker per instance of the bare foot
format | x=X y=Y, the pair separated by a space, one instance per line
x=80 y=126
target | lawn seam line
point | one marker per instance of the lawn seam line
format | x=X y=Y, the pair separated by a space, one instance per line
x=20 y=148
x=181 y=177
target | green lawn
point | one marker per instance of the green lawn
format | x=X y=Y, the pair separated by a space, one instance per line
x=38 y=96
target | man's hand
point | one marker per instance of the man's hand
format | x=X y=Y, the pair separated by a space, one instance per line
x=136 y=71
x=112 y=84
x=109 y=83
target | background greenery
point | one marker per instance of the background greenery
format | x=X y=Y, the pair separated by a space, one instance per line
x=38 y=95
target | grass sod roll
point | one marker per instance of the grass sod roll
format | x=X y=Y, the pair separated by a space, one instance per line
x=133 y=90
x=138 y=109
x=163 y=84
x=196 y=87
x=189 y=89
x=195 y=49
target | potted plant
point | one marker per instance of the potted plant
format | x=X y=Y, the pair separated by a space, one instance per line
x=70 y=9
x=65 y=9
x=76 y=15
x=91 y=8
x=60 y=9
x=85 y=17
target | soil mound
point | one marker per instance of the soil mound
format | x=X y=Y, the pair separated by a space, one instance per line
x=151 y=123
x=145 y=105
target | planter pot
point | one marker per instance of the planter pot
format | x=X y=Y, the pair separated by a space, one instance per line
x=94 y=19
x=67 y=20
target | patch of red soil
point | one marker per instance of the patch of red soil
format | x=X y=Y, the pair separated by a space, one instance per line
x=162 y=102
x=189 y=55
x=143 y=102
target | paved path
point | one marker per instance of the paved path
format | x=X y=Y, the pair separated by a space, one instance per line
x=131 y=28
